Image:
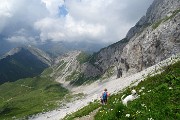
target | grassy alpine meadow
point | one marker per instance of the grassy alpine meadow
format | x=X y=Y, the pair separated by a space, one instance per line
x=29 y=96
x=84 y=111
x=159 y=100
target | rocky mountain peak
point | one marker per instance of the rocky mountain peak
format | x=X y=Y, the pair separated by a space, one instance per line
x=44 y=57
x=160 y=9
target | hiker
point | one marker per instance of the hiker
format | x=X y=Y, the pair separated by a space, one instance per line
x=104 y=97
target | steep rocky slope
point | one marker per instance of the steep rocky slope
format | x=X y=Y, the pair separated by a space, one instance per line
x=155 y=37
x=72 y=68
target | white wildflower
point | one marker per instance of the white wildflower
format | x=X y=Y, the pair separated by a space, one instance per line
x=142 y=88
x=127 y=115
x=170 y=88
x=137 y=112
x=143 y=105
x=149 y=91
x=150 y=119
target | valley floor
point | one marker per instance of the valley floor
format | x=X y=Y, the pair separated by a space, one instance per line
x=94 y=90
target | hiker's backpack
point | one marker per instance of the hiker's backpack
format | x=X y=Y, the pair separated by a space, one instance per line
x=104 y=95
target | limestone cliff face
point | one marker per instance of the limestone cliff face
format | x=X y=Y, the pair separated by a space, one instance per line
x=159 y=40
x=155 y=37
x=105 y=58
x=157 y=11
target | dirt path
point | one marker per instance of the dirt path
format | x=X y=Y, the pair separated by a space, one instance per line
x=88 y=117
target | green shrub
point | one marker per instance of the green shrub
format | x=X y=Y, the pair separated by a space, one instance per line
x=155 y=25
x=74 y=76
x=82 y=79
x=83 y=57
x=84 y=111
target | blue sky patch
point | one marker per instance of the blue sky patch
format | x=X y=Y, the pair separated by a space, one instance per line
x=63 y=10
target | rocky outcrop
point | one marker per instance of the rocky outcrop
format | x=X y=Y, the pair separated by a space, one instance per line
x=156 y=12
x=67 y=69
x=105 y=58
x=44 y=57
x=155 y=37
x=155 y=44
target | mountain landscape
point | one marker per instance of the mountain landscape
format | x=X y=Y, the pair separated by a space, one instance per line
x=23 y=62
x=154 y=38
x=53 y=48
x=65 y=82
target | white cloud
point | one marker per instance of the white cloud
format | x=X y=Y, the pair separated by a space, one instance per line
x=68 y=29
x=102 y=20
x=53 y=5
x=5 y=9
x=22 y=39
x=95 y=20
x=22 y=36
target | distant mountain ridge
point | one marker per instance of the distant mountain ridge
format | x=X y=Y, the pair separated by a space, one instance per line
x=23 y=62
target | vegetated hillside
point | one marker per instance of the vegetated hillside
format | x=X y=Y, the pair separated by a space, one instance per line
x=159 y=99
x=29 y=96
x=154 y=38
x=21 y=63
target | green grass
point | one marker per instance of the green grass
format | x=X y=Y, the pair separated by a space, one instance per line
x=76 y=78
x=47 y=72
x=156 y=24
x=84 y=111
x=83 y=57
x=159 y=99
x=29 y=96
x=82 y=79
x=74 y=75
x=173 y=15
x=109 y=73
x=61 y=65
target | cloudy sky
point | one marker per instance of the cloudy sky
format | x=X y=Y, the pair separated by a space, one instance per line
x=106 y=21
